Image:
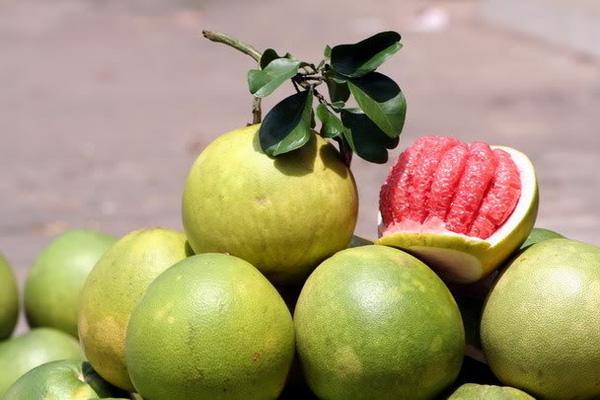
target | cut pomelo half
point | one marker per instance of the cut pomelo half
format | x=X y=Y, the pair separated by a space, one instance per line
x=462 y=208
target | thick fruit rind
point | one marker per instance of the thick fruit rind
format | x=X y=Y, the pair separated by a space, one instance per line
x=22 y=353
x=63 y=379
x=112 y=290
x=473 y=391
x=463 y=259
x=55 y=280
x=9 y=299
x=374 y=322
x=210 y=327
x=539 y=328
x=284 y=215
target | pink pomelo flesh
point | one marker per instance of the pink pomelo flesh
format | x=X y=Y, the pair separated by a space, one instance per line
x=440 y=184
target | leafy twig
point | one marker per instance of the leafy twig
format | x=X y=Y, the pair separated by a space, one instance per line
x=233 y=42
x=369 y=129
x=246 y=49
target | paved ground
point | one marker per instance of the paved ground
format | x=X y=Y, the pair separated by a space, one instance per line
x=105 y=104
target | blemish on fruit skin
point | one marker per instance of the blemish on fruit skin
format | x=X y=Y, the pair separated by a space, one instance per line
x=256 y=356
x=347 y=361
x=162 y=312
x=436 y=344
x=419 y=285
x=262 y=201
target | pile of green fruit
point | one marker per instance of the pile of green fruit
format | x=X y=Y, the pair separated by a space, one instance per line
x=268 y=295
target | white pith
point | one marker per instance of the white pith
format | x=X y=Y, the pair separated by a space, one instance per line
x=526 y=199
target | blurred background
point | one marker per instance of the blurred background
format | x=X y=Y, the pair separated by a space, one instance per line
x=104 y=104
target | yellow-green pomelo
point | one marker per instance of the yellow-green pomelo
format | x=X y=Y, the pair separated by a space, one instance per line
x=39 y=346
x=9 y=299
x=56 y=278
x=62 y=380
x=540 y=324
x=473 y=391
x=112 y=290
x=373 y=322
x=283 y=215
x=211 y=327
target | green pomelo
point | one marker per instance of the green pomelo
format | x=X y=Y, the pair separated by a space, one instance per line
x=467 y=229
x=539 y=328
x=56 y=279
x=373 y=322
x=62 y=380
x=211 y=327
x=538 y=235
x=472 y=391
x=9 y=299
x=39 y=346
x=112 y=290
x=283 y=215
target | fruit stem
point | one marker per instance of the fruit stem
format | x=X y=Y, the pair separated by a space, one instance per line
x=233 y=42
x=245 y=48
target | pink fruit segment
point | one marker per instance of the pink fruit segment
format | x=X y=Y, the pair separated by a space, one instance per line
x=501 y=199
x=396 y=188
x=422 y=176
x=445 y=181
x=473 y=185
x=442 y=184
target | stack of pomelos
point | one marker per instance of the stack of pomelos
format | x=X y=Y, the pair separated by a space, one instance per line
x=267 y=294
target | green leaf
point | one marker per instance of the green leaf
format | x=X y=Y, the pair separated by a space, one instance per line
x=338 y=91
x=358 y=59
x=327 y=52
x=286 y=126
x=365 y=138
x=267 y=56
x=382 y=100
x=262 y=82
x=331 y=125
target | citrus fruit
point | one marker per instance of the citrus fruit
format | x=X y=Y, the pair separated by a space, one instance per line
x=56 y=278
x=283 y=215
x=538 y=235
x=64 y=380
x=472 y=391
x=461 y=208
x=539 y=328
x=210 y=327
x=20 y=354
x=9 y=299
x=373 y=322
x=113 y=288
